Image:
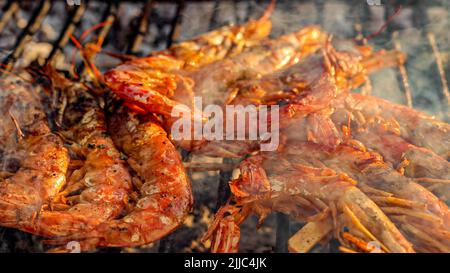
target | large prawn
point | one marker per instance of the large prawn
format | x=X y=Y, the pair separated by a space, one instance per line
x=212 y=80
x=156 y=77
x=163 y=196
x=306 y=90
x=97 y=190
x=384 y=136
x=414 y=126
x=417 y=212
x=269 y=182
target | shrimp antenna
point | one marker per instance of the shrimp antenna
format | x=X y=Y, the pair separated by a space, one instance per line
x=327 y=52
x=20 y=133
x=4 y=69
x=268 y=12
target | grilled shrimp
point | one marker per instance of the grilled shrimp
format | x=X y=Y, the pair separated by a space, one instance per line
x=98 y=190
x=152 y=80
x=418 y=213
x=13 y=111
x=346 y=69
x=305 y=193
x=42 y=166
x=425 y=166
x=288 y=84
x=221 y=43
x=210 y=81
x=163 y=198
x=384 y=137
x=308 y=87
x=415 y=127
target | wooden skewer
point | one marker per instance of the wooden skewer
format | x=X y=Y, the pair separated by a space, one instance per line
x=432 y=180
x=344 y=249
x=403 y=74
x=410 y=212
x=5 y=174
x=397 y=201
x=362 y=228
x=20 y=134
x=309 y=235
x=440 y=66
x=424 y=236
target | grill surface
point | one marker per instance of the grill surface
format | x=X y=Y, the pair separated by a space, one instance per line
x=419 y=28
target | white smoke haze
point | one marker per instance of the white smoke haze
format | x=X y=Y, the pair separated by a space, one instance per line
x=337 y=17
x=232 y=123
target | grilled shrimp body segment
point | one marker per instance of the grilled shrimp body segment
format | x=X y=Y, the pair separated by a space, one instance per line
x=401 y=135
x=165 y=195
x=42 y=170
x=212 y=81
x=98 y=191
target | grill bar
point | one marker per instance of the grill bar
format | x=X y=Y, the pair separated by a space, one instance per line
x=320 y=7
x=108 y=17
x=282 y=233
x=176 y=23
x=213 y=20
x=142 y=28
x=27 y=34
x=10 y=8
x=402 y=72
x=223 y=191
x=361 y=12
x=420 y=16
x=69 y=27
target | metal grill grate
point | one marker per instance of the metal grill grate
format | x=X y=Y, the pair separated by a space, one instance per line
x=361 y=18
